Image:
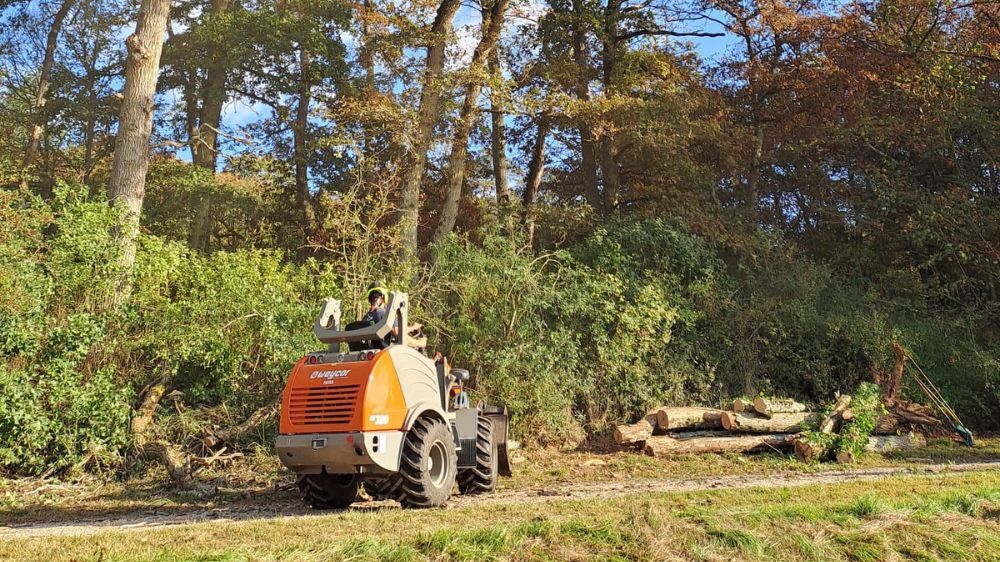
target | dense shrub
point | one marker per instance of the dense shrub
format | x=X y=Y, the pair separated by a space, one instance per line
x=636 y=313
x=56 y=404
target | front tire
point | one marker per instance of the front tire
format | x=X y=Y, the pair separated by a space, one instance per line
x=428 y=466
x=329 y=491
x=481 y=479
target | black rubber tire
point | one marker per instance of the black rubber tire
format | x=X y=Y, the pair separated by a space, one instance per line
x=428 y=466
x=382 y=488
x=482 y=479
x=329 y=491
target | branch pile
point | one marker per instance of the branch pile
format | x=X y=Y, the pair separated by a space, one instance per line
x=182 y=464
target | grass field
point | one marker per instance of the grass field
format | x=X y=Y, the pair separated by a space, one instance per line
x=945 y=517
x=930 y=517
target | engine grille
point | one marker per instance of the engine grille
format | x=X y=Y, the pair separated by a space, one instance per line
x=327 y=405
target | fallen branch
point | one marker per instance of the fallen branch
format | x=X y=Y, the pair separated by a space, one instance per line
x=810 y=449
x=232 y=434
x=829 y=423
x=167 y=454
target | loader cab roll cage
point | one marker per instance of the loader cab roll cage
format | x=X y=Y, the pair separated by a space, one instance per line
x=361 y=335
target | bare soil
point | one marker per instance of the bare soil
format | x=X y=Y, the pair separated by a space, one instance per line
x=284 y=502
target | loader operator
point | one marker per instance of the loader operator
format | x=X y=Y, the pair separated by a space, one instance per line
x=377 y=295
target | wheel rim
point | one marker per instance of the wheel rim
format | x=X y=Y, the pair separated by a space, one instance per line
x=437 y=467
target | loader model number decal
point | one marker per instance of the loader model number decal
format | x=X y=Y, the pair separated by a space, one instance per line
x=329 y=377
x=379 y=419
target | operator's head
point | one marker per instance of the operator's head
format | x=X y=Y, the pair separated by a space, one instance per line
x=377 y=293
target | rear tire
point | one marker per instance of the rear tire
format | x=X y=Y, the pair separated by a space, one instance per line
x=379 y=489
x=482 y=478
x=428 y=466
x=329 y=491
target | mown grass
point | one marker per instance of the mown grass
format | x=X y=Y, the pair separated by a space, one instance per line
x=940 y=517
x=256 y=482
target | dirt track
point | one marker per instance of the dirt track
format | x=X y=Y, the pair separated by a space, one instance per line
x=148 y=519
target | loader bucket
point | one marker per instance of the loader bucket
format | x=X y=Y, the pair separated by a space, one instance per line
x=501 y=422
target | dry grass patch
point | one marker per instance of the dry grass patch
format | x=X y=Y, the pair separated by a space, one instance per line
x=941 y=517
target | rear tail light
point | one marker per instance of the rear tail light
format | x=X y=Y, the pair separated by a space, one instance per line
x=369 y=355
x=311 y=360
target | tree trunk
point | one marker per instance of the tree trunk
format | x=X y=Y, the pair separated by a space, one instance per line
x=492 y=23
x=609 y=164
x=536 y=167
x=427 y=116
x=498 y=140
x=301 y=132
x=206 y=146
x=127 y=186
x=665 y=446
x=770 y=406
x=636 y=433
x=588 y=151
x=780 y=423
x=44 y=78
x=888 y=443
x=90 y=127
x=741 y=405
x=891 y=383
x=366 y=55
x=669 y=419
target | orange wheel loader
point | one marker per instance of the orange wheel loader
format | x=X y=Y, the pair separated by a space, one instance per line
x=382 y=416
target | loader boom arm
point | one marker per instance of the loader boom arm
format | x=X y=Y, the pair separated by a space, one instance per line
x=327 y=328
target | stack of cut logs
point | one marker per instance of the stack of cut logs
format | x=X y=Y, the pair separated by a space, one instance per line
x=759 y=425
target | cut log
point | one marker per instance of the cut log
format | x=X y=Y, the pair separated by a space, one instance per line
x=666 y=446
x=685 y=435
x=712 y=418
x=767 y=407
x=845 y=457
x=829 y=423
x=887 y=443
x=671 y=419
x=886 y=424
x=914 y=414
x=741 y=405
x=807 y=451
x=779 y=423
x=636 y=433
